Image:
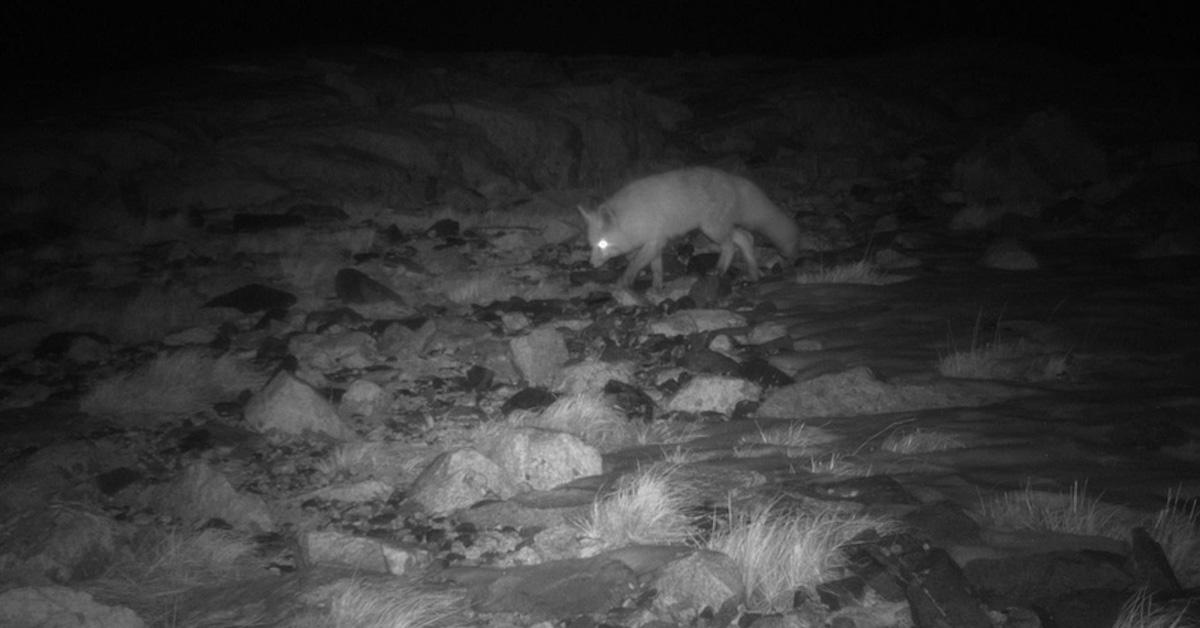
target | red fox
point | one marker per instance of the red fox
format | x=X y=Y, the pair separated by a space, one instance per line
x=643 y=215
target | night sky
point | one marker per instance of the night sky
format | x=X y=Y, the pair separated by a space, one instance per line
x=43 y=37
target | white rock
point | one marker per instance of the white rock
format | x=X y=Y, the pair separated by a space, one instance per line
x=713 y=393
x=543 y=459
x=685 y=322
x=457 y=479
x=540 y=355
x=287 y=405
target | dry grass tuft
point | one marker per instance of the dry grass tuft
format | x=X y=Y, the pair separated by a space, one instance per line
x=1073 y=512
x=780 y=551
x=647 y=508
x=183 y=381
x=163 y=566
x=1176 y=529
x=585 y=415
x=860 y=272
x=361 y=605
x=920 y=441
x=1139 y=611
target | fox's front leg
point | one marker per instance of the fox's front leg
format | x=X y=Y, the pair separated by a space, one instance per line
x=649 y=254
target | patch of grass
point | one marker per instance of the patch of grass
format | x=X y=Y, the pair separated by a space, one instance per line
x=1073 y=512
x=779 y=551
x=1139 y=611
x=360 y=605
x=1017 y=360
x=835 y=464
x=860 y=272
x=792 y=435
x=182 y=381
x=920 y=441
x=1174 y=528
x=649 y=507
x=585 y=415
x=162 y=566
x=666 y=432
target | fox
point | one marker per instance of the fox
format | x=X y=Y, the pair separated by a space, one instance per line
x=640 y=218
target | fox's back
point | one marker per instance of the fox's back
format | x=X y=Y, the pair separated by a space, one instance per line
x=676 y=202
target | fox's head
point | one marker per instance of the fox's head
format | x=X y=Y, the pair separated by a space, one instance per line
x=606 y=241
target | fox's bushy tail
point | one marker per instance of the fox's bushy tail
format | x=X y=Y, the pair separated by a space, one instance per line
x=764 y=216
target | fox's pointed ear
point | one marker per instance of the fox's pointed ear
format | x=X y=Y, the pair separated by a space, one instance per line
x=588 y=215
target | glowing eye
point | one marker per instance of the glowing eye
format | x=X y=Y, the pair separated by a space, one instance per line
x=603 y=244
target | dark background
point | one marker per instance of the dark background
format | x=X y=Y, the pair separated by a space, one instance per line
x=43 y=38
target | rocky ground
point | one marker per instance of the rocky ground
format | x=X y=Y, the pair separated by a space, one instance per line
x=311 y=339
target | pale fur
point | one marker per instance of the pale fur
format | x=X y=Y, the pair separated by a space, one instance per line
x=642 y=216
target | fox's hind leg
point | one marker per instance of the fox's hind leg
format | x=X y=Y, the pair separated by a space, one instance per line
x=745 y=244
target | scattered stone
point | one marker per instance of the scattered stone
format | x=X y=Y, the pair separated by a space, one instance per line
x=458 y=479
x=362 y=398
x=761 y=372
x=1038 y=577
x=592 y=375
x=700 y=583
x=562 y=588
x=355 y=287
x=940 y=596
x=57 y=545
x=201 y=494
x=540 y=356
x=61 y=607
x=360 y=553
x=402 y=340
x=335 y=351
x=356 y=493
x=629 y=400
x=1009 y=254
x=254 y=298
x=1150 y=567
x=287 y=405
x=763 y=333
x=858 y=391
x=704 y=360
x=76 y=347
x=532 y=399
x=688 y=322
x=543 y=459
x=713 y=393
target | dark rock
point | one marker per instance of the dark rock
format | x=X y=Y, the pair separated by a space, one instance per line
x=762 y=373
x=353 y=286
x=944 y=522
x=841 y=593
x=1047 y=575
x=253 y=298
x=630 y=400
x=444 y=228
x=532 y=398
x=1149 y=565
x=253 y=223
x=1086 y=608
x=112 y=481
x=709 y=361
x=58 y=345
x=941 y=596
x=479 y=378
